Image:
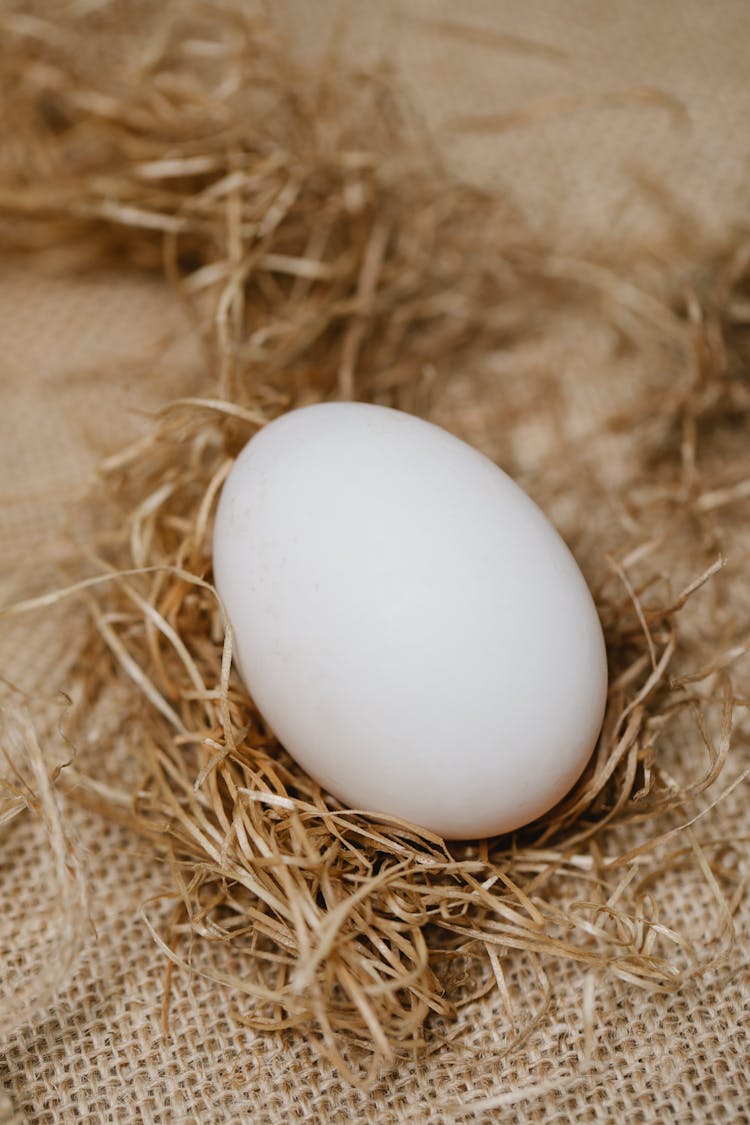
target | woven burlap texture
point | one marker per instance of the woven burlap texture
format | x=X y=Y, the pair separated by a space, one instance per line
x=98 y=1052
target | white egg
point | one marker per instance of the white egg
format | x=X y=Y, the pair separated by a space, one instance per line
x=409 y=623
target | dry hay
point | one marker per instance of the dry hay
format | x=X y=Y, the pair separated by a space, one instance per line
x=322 y=251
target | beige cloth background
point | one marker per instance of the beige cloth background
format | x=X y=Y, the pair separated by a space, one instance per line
x=97 y=1052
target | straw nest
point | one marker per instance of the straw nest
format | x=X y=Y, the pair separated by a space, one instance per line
x=322 y=251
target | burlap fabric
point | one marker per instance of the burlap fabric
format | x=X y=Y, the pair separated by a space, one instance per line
x=98 y=1051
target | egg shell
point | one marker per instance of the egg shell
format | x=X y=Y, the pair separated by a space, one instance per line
x=409 y=623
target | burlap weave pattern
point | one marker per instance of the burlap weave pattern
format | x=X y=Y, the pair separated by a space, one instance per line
x=98 y=1052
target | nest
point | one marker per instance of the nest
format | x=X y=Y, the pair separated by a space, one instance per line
x=322 y=251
